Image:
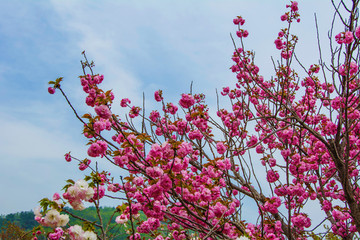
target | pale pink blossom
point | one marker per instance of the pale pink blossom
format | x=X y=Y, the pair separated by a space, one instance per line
x=103 y=111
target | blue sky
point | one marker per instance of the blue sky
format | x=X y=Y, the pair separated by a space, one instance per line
x=139 y=46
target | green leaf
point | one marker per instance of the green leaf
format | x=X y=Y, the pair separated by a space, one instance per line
x=88 y=226
x=70 y=181
x=58 y=80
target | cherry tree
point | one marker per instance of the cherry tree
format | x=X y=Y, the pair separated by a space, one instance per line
x=190 y=174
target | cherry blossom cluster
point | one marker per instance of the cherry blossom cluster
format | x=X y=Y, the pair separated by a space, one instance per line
x=77 y=193
x=52 y=218
x=287 y=138
x=303 y=132
x=77 y=233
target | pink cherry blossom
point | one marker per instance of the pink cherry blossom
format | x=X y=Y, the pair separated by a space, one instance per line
x=103 y=111
x=51 y=90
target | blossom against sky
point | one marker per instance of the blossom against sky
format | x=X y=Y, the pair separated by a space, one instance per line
x=139 y=46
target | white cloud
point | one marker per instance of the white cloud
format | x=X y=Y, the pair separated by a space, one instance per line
x=32 y=162
x=24 y=140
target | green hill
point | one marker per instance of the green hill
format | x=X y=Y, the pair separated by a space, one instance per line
x=25 y=220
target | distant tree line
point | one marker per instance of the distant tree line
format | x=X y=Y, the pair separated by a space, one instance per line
x=24 y=220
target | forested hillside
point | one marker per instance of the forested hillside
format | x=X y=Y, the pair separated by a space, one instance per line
x=25 y=221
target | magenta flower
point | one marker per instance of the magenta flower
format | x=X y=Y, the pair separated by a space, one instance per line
x=103 y=111
x=158 y=96
x=294 y=6
x=220 y=147
x=272 y=176
x=186 y=100
x=253 y=140
x=68 y=157
x=51 y=90
x=124 y=102
x=284 y=17
x=357 y=32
